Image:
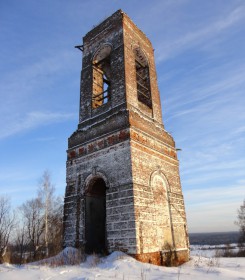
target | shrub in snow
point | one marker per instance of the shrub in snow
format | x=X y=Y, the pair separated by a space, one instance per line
x=93 y=260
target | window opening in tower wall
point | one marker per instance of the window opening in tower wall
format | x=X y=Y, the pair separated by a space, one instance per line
x=143 y=83
x=101 y=83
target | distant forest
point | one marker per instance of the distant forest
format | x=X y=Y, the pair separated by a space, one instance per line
x=214 y=238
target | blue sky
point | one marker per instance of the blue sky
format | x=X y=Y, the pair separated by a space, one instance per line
x=200 y=60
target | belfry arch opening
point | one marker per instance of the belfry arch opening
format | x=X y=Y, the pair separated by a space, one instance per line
x=101 y=76
x=95 y=217
x=142 y=78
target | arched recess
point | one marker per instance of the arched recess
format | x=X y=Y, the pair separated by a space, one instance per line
x=142 y=77
x=95 y=215
x=160 y=191
x=101 y=76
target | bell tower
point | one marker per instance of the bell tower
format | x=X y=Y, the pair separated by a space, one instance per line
x=123 y=187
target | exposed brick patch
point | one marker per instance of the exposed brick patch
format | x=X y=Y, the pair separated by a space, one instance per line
x=71 y=154
x=104 y=142
x=153 y=258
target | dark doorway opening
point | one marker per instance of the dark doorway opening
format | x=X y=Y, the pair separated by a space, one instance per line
x=95 y=217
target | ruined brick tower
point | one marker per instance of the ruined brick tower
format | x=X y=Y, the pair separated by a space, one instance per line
x=123 y=186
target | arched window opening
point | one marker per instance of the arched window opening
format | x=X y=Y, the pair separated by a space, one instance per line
x=142 y=78
x=101 y=77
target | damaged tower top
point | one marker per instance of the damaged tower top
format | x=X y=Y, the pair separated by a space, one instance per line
x=123 y=186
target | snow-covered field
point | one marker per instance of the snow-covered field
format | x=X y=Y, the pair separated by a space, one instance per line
x=120 y=266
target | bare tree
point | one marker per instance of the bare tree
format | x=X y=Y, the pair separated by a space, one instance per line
x=20 y=243
x=40 y=226
x=240 y=222
x=56 y=228
x=6 y=225
x=46 y=196
x=34 y=223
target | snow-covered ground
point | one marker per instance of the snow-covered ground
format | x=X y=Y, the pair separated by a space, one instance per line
x=212 y=250
x=120 y=266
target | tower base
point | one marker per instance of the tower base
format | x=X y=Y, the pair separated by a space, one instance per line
x=164 y=258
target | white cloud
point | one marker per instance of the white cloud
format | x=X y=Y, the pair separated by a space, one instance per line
x=201 y=36
x=213 y=209
x=211 y=194
x=216 y=217
x=29 y=76
x=43 y=139
x=33 y=120
x=218 y=82
x=25 y=86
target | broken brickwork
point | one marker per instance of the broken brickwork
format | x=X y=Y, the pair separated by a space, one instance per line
x=123 y=186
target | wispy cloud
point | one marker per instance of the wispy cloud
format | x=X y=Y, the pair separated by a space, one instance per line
x=216 y=216
x=24 y=80
x=43 y=139
x=211 y=160
x=219 y=193
x=32 y=120
x=27 y=101
x=219 y=80
x=200 y=36
x=215 y=208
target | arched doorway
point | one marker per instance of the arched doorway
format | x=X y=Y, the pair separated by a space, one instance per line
x=95 y=217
